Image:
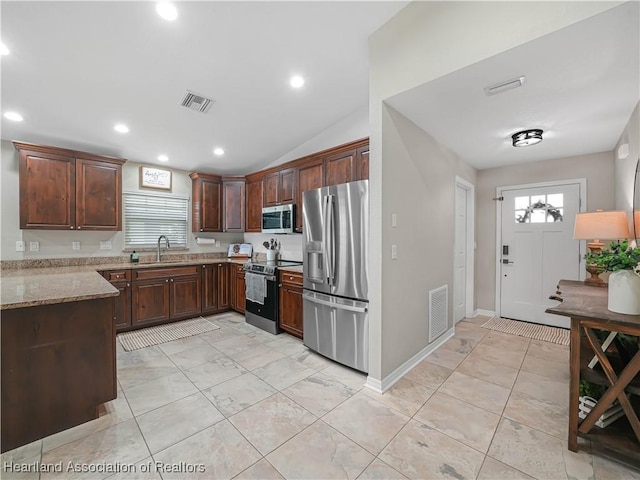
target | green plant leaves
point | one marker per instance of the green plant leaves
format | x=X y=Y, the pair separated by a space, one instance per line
x=617 y=256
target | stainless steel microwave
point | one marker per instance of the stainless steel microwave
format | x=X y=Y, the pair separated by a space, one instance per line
x=278 y=219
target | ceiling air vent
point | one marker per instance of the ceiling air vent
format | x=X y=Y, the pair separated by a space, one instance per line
x=196 y=102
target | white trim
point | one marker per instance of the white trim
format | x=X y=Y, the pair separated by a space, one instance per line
x=470 y=244
x=581 y=182
x=483 y=312
x=381 y=386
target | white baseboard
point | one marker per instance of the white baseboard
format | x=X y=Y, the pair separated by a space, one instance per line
x=484 y=313
x=381 y=386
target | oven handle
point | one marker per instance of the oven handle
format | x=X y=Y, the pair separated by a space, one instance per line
x=352 y=308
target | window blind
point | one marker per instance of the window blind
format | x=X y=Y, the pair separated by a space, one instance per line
x=147 y=216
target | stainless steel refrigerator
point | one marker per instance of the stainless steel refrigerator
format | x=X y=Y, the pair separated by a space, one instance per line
x=336 y=288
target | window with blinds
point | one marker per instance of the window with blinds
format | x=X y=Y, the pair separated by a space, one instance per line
x=147 y=216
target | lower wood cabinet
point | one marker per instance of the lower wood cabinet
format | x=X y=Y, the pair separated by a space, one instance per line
x=121 y=279
x=238 y=290
x=290 y=316
x=216 y=288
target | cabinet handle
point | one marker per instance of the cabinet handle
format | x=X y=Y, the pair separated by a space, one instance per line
x=202 y=229
x=117 y=276
x=71 y=227
x=172 y=280
x=166 y=281
x=79 y=228
x=290 y=278
x=128 y=284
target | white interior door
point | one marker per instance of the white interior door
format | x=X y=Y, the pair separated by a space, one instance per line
x=537 y=249
x=460 y=255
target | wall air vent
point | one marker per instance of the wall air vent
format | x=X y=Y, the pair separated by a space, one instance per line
x=438 y=312
x=197 y=102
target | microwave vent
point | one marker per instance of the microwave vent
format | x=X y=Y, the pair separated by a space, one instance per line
x=195 y=101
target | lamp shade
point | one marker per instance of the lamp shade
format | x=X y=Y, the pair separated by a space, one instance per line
x=601 y=225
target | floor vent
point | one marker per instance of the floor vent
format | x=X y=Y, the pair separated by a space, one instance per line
x=196 y=102
x=438 y=312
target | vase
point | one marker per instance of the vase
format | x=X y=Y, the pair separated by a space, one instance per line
x=271 y=255
x=624 y=292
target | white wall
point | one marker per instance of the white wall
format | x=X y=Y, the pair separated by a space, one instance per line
x=625 y=168
x=290 y=245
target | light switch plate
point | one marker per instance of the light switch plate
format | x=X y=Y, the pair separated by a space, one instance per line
x=394 y=219
x=394 y=252
x=34 y=246
x=20 y=246
x=105 y=245
x=75 y=245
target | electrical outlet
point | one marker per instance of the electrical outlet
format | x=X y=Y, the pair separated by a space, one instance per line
x=394 y=252
x=34 y=246
x=217 y=243
x=394 y=219
x=105 y=245
x=75 y=245
x=20 y=246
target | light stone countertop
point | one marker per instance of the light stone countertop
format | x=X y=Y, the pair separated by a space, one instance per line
x=293 y=268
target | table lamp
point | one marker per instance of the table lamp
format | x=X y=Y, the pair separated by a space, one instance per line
x=595 y=226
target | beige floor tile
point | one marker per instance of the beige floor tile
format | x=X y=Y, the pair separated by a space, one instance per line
x=494 y=470
x=312 y=360
x=320 y=452
x=187 y=343
x=420 y=452
x=366 y=421
x=482 y=394
x=111 y=413
x=216 y=336
x=121 y=443
x=214 y=372
x=133 y=375
x=606 y=469
x=283 y=373
x=405 y=396
x=548 y=417
x=428 y=374
x=497 y=354
x=378 y=470
x=157 y=393
x=506 y=341
x=546 y=368
x=176 y=421
x=287 y=344
x=460 y=345
x=143 y=470
x=351 y=378
x=446 y=358
x=243 y=328
x=549 y=351
x=25 y=469
x=261 y=335
x=528 y=450
x=578 y=464
x=30 y=450
x=235 y=395
x=318 y=393
x=489 y=371
x=479 y=320
x=257 y=357
x=195 y=356
x=543 y=388
x=238 y=344
x=462 y=421
x=261 y=470
x=470 y=331
x=137 y=357
x=271 y=422
x=220 y=450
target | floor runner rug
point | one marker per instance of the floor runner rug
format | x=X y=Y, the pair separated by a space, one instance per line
x=529 y=330
x=147 y=337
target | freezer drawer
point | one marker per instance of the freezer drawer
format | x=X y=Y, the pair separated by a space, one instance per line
x=337 y=328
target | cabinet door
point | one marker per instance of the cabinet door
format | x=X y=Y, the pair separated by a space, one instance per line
x=362 y=163
x=122 y=305
x=224 y=286
x=185 y=300
x=340 y=168
x=150 y=301
x=47 y=191
x=310 y=176
x=233 y=206
x=254 y=206
x=206 y=209
x=291 y=309
x=209 y=289
x=240 y=292
x=98 y=195
x=272 y=189
x=287 y=193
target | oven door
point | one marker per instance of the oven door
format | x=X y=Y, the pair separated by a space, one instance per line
x=265 y=316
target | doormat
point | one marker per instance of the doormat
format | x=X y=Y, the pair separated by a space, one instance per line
x=529 y=330
x=147 y=337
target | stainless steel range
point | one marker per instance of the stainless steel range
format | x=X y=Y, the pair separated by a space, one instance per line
x=261 y=279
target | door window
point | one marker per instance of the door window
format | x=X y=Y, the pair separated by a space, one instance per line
x=539 y=208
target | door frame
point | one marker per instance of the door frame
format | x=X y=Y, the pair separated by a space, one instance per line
x=582 y=207
x=469 y=244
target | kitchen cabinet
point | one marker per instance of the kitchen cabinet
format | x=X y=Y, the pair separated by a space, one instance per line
x=224 y=286
x=362 y=163
x=280 y=187
x=238 y=290
x=206 y=202
x=310 y=176
x=340 y=167
x=164 y=294
x=233 y=205
x=216 y=288
x=121 y=279
x=254 y=204
x=64 y=189
x=290 y=313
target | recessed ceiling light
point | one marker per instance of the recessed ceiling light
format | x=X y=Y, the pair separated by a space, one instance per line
x=167 y=10
x=3 y=49
x=163 y=158
x=527 y=138
x=296 y=81
x=218 y=151
x=121 y=127
x=14 y=116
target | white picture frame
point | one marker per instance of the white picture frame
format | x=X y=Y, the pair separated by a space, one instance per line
x=151 y=177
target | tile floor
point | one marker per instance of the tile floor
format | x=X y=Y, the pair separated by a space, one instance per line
x=240 y=403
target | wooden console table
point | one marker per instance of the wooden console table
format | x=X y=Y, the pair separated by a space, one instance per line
x=587 y=307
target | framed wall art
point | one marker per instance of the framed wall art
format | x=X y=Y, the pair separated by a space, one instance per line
x=151 y=177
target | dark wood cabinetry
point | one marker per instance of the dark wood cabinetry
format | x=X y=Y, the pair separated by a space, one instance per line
x=254 y=192
x=238 y=290
x=216 y=288
x=340 y=168
x=362 y=163
x=121 y=279
x=233 y=205
x=310 y=176
x=68 y=190
x=280 y=187
x=206 y=206
x=224 y=286
x=291 y=302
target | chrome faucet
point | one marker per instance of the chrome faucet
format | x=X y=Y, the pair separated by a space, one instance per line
x=168 y=245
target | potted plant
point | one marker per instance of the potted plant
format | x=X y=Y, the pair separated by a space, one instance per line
x=623 y=262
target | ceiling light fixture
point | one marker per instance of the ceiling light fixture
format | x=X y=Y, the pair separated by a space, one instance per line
x=163 y=158
x=296 y=81
x=504 y=86
x=167 y=10
x=218 y=151
x=3 y=49
x=527 y=137
x=13 y=116
x=121 y=127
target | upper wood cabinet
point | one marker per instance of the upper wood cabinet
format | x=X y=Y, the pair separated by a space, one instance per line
x=254 y=204
x=340 y=167
x=206 y=207
x=310 y=176
x=280 y=187
x=362 y=163
x=67 y=190
x=233 y=205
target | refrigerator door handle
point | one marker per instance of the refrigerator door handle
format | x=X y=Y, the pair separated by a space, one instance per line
x=352 y=308
x=330 y=245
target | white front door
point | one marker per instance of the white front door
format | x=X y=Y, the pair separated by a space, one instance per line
x=537 y=249
x=460 y=254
